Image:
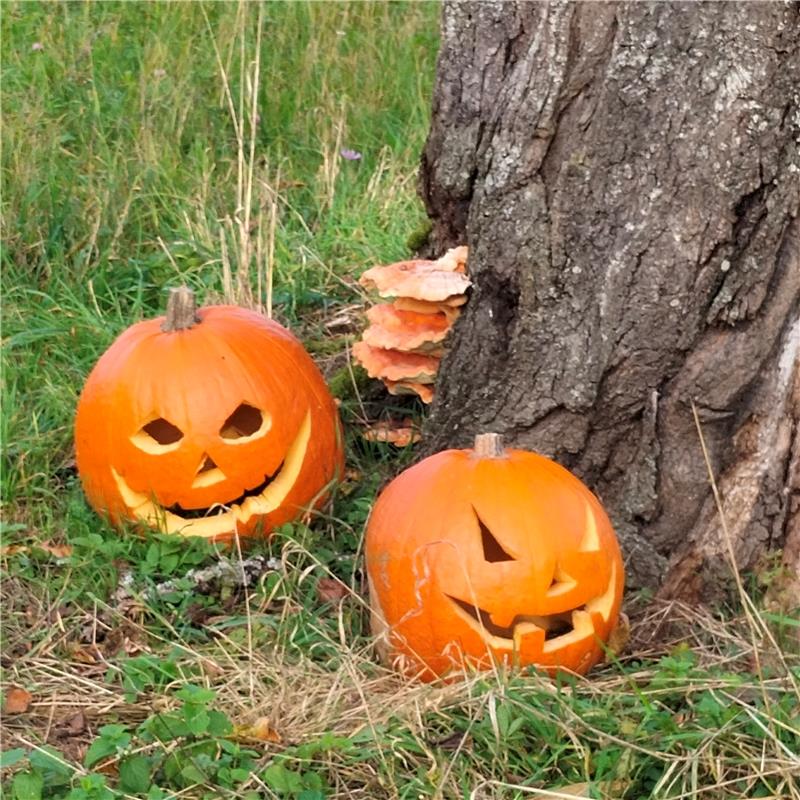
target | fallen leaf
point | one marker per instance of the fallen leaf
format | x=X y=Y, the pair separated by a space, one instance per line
x=211 y=668
x=57 y=550
x=455 y=741
x=74 y=725
x=345 y=318
x=17 y=700
x=329 y=590
x=83 y=654
x=389 y=431
x=572 y=790
x=259 y=731
x=620 y=635
x=68 y=733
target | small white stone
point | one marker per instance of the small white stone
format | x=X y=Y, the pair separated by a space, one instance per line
x=674 y=303
x=725 y=265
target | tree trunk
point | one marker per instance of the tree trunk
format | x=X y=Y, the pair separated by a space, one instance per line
x=627 y=177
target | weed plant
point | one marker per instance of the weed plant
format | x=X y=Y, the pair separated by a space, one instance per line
x=267 y=154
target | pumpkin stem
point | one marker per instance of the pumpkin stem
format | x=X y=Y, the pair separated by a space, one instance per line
x=181 y=310
x=489 y=445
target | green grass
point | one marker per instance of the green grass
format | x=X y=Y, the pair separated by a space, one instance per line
x=120 y=168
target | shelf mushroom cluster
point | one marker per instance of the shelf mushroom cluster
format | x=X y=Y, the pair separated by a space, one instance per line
x=404 y=342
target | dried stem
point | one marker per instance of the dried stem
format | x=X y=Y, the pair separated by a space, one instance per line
x=181 y=310
x=489 y=445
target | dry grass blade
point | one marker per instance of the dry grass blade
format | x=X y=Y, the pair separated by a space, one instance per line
x=758 y=626
x=240 y=235
x=303 y=699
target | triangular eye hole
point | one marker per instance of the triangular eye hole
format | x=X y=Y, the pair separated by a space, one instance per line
x=245 y=423
x=492 y=549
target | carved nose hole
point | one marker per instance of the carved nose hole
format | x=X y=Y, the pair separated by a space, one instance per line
x=208 y=463
x=492 y=549
x=207 y=474
x=562 y=582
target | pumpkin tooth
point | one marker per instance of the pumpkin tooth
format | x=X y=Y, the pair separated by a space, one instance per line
x=602 y=605
x=582 y=628
x=528 y=640
x=131 y=499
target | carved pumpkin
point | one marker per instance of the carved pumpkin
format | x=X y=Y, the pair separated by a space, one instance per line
x=206 y=422
x=491 y=554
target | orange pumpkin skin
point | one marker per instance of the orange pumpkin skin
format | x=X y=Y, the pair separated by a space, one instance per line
x=471 y=559
x=233 y=367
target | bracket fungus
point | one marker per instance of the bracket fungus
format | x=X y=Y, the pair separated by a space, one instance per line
x=404 y=342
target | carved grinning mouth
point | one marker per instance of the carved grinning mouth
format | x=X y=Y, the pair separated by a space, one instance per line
x=222 y=519
x=554 y=625
x=558 y=630
x=221 y=508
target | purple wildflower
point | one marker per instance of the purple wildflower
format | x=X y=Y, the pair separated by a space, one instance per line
x=350 y=155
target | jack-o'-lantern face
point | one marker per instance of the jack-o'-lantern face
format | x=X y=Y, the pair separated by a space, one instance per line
x=223 y=426
x=508 y=558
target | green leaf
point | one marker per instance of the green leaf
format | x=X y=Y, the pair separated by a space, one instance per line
x=282 y=779
x=311 y=794
x=197 y=721
x=153 y=555
x=27 y=786
x=134 y=775
x=10 y=757
x=191 y=774
x=51 y=763
x=91 y=787
x=195 y=694
x=165 y=727
x=99 y=749
x=218 y=724
x=313 y=780
x=118 y=733
x=169 y=562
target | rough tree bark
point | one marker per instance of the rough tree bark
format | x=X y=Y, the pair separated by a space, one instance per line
x=627 y=176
